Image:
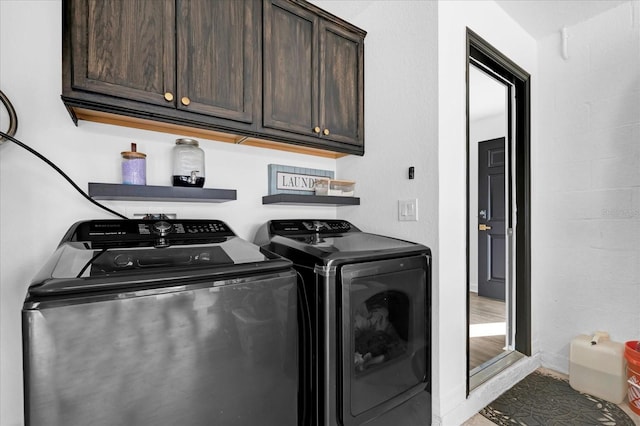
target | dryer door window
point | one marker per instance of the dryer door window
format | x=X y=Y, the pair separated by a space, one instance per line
x=384 y=336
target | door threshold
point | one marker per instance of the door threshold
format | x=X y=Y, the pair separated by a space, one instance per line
x=491 y=368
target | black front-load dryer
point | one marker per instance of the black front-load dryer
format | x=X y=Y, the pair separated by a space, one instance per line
x=365 y=324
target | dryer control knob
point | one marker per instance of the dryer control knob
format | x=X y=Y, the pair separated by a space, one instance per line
x=162 y=228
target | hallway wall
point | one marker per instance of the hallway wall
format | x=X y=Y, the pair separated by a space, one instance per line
x=490 y=22
x=586 y=184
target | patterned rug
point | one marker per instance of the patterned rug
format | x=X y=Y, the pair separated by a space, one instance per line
x=544 y=400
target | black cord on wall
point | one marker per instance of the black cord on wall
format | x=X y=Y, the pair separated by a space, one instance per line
x=63 y=174
x=13 y=117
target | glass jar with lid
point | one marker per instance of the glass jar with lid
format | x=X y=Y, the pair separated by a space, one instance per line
x=134 y=167
x=188 y=163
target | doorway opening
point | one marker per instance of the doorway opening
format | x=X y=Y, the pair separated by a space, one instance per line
x=498 y=219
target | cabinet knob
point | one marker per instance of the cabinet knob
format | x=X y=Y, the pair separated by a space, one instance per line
x=316 y=129
x=185 y=101
x=168 y=96
x=325 y=132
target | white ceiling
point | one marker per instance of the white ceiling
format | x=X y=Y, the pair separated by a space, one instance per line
x=541 y=18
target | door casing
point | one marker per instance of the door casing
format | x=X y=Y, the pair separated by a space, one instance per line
x=483 y=54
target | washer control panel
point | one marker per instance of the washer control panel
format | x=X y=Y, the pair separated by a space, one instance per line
x=164 y=228
x=119 y=232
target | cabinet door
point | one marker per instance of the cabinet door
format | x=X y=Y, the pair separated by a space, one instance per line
x=341 y=85
x=215 y=57
x=290 y=67
x=123 y=48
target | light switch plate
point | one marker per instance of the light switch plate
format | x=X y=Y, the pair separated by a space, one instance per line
x=408 y=210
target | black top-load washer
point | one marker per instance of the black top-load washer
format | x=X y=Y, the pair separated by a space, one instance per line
x=176 y=322
x=365 y=324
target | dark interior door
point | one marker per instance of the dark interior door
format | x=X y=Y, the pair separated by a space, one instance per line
x=491 y=219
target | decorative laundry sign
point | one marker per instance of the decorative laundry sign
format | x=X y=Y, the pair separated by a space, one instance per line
x=294 y=180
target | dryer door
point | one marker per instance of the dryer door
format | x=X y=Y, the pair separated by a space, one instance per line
x=385 y=344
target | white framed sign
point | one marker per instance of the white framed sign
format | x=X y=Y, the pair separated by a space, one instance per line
x=294 y=180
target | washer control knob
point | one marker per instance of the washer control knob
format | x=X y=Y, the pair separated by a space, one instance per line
x=162 y=228
x=122 y=260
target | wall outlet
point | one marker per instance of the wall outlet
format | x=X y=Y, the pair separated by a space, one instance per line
x=408 y=210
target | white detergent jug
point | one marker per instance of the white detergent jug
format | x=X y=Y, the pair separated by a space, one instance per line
x=597 y=367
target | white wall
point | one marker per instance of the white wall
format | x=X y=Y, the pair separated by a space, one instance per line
x=401 y=115
x=37 y=205
x=587 y=253
x=491 y=23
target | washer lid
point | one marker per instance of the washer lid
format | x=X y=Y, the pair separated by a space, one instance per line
x=76 y=260
x=112 y=261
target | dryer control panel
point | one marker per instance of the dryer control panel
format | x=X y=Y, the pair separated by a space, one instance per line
x=308 y=226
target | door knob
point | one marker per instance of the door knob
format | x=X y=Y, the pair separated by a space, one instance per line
x=316 y=129
x=483 y=227
x=185 y=101
x=168 y=96
x=325 y=132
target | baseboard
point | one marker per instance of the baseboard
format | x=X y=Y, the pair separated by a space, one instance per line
x=555 y=362
x=484 y=394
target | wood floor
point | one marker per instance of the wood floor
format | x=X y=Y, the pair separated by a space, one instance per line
x=485 y=311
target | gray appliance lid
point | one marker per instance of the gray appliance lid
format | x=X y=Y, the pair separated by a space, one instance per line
x=110 y=255
x=328 y=240
x=77 y=260
x=325 y=247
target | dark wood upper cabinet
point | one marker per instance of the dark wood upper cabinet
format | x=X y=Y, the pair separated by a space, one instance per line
x=313 y=82
x=123 y=48
x=215 y=58
x=341 y=88
x=193 y=55
x=290 y=70
x=274 y=73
